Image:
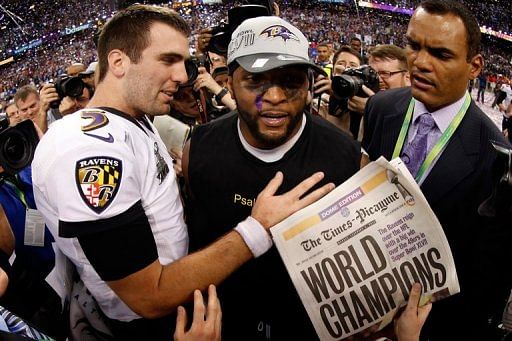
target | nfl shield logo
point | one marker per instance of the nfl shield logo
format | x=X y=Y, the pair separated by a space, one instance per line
x=98 y=179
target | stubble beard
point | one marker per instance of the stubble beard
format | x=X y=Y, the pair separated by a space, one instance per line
x=269 y=141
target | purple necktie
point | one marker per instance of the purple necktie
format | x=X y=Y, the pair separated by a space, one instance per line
x=415 y=152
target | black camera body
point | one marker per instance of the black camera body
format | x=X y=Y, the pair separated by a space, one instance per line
x=17 y=145
x=221 y=35
x=350 y=82
x=67 y=86
x=192 y=66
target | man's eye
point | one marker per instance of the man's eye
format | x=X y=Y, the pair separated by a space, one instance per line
x=442 y=55
x=255 y=79
x=293 y=80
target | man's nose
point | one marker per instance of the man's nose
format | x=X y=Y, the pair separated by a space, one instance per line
x=422 y=60
x=275 y=94
x=180 y=73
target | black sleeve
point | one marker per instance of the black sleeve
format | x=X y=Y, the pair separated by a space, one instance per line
x=116 y=247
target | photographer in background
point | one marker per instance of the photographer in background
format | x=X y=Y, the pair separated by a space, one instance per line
x=11 y=110
x=216 y=39
x=28 y=102
x=89 y=75
x=187 y=106
x=201 y=99
x=220 y=93
x=65 y=96
x=75 y=69
x=337 y=111
x=390 y=63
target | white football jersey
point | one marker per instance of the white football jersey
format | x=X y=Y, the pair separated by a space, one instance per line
x=96 y=164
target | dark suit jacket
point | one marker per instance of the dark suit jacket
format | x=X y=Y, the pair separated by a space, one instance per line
x=459 y=181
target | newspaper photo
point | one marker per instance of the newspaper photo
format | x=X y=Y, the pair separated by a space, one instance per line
x=354 y=255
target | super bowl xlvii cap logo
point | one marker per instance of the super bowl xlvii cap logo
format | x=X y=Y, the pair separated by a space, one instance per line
x=275 y=31
x=98 y=179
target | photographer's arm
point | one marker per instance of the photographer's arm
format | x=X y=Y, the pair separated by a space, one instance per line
x=47 y=95
x=205 y=81
x=203 y=39
x=322 y=85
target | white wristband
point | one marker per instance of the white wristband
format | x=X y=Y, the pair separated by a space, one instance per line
x=255 y=236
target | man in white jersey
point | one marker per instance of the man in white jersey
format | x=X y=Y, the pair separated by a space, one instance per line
x=104 y=184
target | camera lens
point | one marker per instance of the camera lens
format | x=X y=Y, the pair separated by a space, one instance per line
x=17 y=146
x=345 y=86
x=14 y=146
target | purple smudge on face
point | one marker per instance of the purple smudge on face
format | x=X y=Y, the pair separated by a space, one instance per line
x=259 y=102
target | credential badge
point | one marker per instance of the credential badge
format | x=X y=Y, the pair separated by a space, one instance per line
x=98 y=179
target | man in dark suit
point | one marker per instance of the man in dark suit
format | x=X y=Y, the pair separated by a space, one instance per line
x=444 y=139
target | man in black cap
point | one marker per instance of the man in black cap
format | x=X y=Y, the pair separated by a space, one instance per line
x=228 y=161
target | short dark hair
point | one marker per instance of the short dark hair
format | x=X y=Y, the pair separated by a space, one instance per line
x=355 y=38
x=473 y=35
x=390 y=51
x=348 y=49
x=129 y=29
x=23 y=92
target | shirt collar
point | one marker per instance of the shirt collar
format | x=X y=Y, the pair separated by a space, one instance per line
x=444 y=116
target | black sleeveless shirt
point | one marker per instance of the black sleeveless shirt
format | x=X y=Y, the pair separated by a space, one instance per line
x=259 y=301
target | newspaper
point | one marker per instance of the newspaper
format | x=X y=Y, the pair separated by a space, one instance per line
x=354 y=255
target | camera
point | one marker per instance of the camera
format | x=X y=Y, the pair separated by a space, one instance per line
x=192 y=66
x=67 y=86
x=221 y=35
x=350 y=82
x=268 y=4
x=17 y=145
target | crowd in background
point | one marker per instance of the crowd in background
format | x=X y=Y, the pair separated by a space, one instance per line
x=488 y=13
x=68 y=47
x=332 y=23
x=46 y=20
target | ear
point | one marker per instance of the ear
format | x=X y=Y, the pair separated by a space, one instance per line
x=117 y=62
x=230 y=86
x=476 y=66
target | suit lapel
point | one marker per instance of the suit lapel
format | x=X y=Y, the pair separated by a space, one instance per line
x=457 y=161
x=391 y=126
